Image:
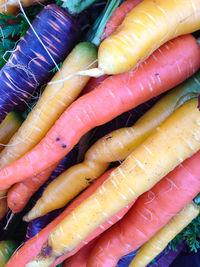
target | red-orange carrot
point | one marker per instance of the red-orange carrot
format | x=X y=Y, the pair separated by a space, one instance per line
x=149 y=214
x=166 y=67
x=32 y=247
x=118 y=17
x=20 y=193
x=81 y=257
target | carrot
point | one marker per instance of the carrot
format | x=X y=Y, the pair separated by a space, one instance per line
x=37 y=225
x=20 y=76
x=80 y=258
x=12 y=6
x=33 y=246
x=161 y=239
x=38 y=123
x=54 y=100
x=149 y=214
x=116 y=145
x=146 y=28
x=8 y=127
x=19 y=194
x=127 y=234
x=118 y=17
x=141 y=170
x=115 y=96
x=4 y=8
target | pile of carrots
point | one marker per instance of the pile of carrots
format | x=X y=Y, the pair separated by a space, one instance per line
x=91 y=214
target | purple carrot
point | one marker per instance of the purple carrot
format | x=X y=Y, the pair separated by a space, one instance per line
x=29 y=65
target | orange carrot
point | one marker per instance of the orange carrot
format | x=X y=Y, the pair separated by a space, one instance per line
x=149 y=214
x=118 y=17
x=19 y=195
x=167 y=67
x=81 y=257
x=33 y=245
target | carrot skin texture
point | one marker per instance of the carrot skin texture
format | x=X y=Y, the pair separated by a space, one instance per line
x=53 y=102
x=160 y=240
x=9 y=8
x=33 y=246
x=8 y=127
x=116 y=145
x=163 y=201
x=118 y=17
x=92 y=110
x=24 y=3
x=20 y=75
x=80 y=258
x=37 y=225
x=148 y=26
x=128 y=181
x=185 y=176
x=19 y=194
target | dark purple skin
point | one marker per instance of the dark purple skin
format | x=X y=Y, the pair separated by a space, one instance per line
x=29 y=65
x=38 y=224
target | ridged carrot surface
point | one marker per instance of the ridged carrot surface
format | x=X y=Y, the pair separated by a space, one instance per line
x=8 y=127
x=53 y=102
x=141 y=170
x=33 y=246
x=20 y=193
x=149 y=214
x=115 y=146
x=166 y=68
x=149 y=25
x=118 y=17
x=160 y=240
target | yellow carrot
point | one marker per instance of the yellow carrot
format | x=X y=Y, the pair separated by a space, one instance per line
x=8 y=127
x=112 y=147
x=12 y=6
x=5 y=7
x=149 y=25
x=160 y=240
x=174 y=141
x=53 y=102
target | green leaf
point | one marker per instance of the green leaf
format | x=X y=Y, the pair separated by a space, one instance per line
x=100 y=23
x=77 y=6
x=55 y=68
x=154 y=262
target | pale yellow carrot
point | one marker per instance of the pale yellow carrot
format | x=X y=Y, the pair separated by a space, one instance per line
x=174 y=141
x=115 y=146
x=53 y=102
x=160 y=240
x=149 y=25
